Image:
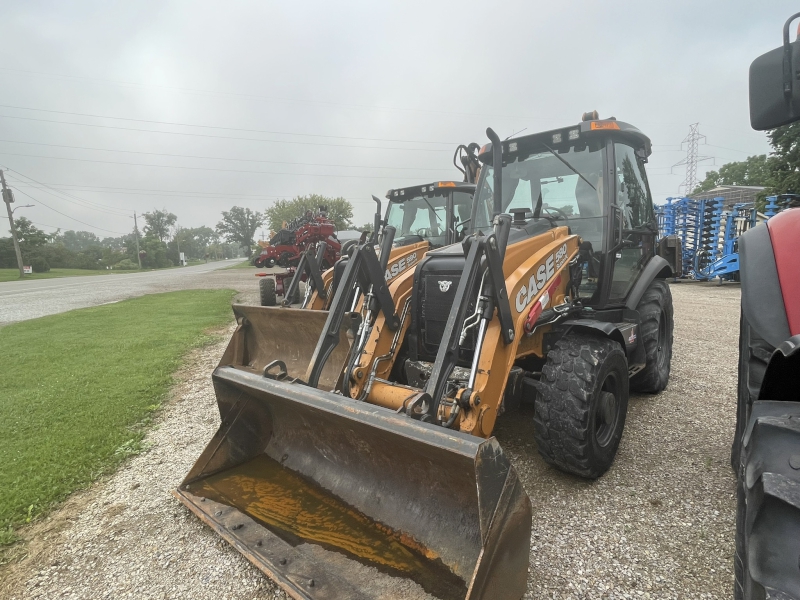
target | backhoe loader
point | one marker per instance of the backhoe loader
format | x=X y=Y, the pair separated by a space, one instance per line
x=362 y=440
x=425 y=216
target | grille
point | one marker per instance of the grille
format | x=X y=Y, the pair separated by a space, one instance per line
x=436 y=303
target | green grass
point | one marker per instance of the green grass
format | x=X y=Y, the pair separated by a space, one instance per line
x=77 y=390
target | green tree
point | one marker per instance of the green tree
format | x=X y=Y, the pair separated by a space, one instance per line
x=340 y=211
x=755 y=170
x=154 y=253
x=158 y=224
x=784 y=160
x=77 y=241
x=29 y=236
x=239 y=225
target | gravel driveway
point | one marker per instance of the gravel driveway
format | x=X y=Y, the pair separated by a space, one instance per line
x=659 y=524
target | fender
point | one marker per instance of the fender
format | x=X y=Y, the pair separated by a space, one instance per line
x=762 y=300
x=604 y=328
x=656 y=268
x=782 y=377
x=783 y=232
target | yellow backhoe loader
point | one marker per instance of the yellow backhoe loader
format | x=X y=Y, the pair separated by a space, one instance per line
x=355 y=457
x=426 y=216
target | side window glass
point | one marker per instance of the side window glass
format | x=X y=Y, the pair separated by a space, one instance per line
x=633 y=195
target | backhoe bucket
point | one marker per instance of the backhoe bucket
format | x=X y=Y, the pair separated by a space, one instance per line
x=334 y=498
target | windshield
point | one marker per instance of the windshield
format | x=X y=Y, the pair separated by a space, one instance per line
x=570 y=184
x=419 y=218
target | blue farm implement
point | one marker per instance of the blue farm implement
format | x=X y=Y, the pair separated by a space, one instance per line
x=709 y=232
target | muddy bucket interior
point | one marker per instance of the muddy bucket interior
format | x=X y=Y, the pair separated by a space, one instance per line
x=268 y=333
x=335 y=498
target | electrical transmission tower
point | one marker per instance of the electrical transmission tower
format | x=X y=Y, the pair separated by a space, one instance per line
x=692 y=141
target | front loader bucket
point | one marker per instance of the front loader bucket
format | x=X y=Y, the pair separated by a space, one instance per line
x=267 y=333
x=336 y=498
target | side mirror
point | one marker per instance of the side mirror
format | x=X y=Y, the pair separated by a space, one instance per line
x=775 y=85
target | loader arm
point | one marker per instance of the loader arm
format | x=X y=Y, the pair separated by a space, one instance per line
x=536 y=272
x=401 y=259
x=531 y=268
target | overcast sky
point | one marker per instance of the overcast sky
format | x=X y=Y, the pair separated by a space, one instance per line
x=200 y=106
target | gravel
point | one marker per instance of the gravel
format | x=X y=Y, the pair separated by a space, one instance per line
x=659 y=524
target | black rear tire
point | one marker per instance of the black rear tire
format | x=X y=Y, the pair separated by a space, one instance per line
x=266 y=288
x=657 y=323
x=754 y=354
x=768 y=508
x=582 y=404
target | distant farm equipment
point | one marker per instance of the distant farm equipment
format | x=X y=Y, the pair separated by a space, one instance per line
x=286 y=247
x=709 y=232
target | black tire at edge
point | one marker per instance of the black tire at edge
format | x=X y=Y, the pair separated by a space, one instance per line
x=767 y=559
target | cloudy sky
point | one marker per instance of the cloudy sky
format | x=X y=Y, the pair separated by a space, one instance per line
x=112 y=107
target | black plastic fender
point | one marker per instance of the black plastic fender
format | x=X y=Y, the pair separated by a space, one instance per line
x=656 y=268
x=782 y=377
x=762 y=301
x=604 y=328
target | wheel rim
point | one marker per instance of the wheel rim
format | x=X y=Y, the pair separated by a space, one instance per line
x=661 y=354
x=606 y=413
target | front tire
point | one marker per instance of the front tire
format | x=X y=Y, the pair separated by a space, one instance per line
x=266 y=288
x=656 y=333
x=582 y=404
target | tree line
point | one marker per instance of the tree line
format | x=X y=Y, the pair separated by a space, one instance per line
x=162 y=238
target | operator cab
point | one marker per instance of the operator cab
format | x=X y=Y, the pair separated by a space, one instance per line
x=589 y=177
x=438 y=213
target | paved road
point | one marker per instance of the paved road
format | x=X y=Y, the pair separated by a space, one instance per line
x=29 y=299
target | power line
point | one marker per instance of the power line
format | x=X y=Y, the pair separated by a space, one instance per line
x=64 y=197
x=34 y=222
x=187 y=193
x=223 y=137
x=277 y=162
x=340 y=137
x=113 y=162
x=66 y=215
x=81 y=201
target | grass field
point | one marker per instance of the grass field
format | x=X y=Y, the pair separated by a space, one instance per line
x=77 y=389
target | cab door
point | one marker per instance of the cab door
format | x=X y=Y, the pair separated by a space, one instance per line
x=634 y=225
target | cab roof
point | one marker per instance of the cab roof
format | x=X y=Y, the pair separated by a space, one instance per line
x=429 y=189
x=568 y=136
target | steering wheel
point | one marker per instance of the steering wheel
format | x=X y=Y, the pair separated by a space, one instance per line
x=561 y=213
x=424 y=232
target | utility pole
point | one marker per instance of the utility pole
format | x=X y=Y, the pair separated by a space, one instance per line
x=136 y=234
x=8 y=198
